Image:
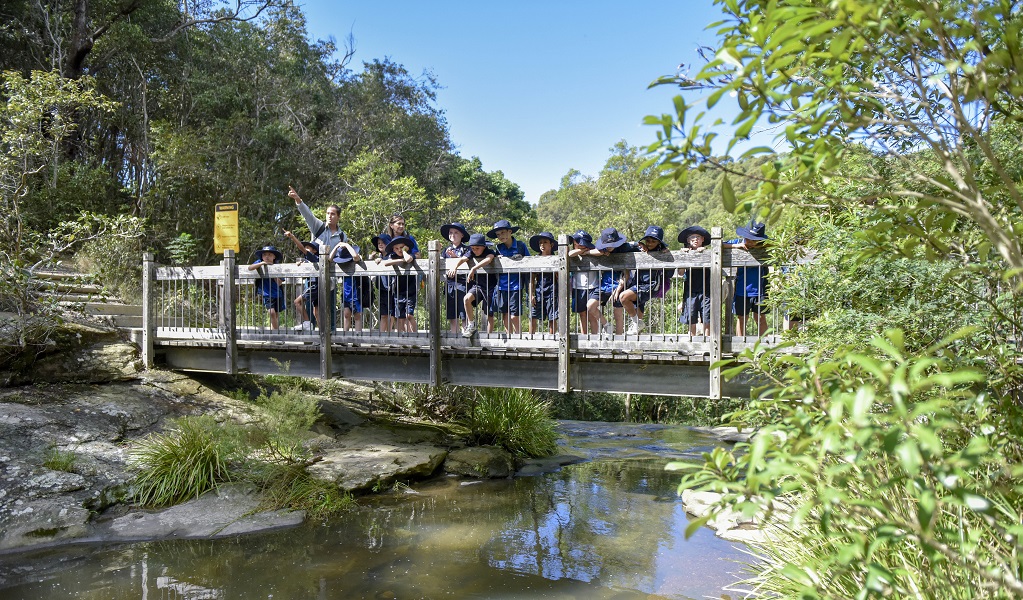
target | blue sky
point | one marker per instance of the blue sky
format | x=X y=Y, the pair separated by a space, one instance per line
x=532 y=88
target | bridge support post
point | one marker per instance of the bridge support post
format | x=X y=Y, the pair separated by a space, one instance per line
x=148 y=322
x=326 y=319
x=564 y=316
x=433 y=302
x=716 y=279
x=230 y=310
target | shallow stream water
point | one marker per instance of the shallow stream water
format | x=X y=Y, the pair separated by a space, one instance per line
x=610 y=527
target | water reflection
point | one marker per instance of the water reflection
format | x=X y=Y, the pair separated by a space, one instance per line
x=611 y=528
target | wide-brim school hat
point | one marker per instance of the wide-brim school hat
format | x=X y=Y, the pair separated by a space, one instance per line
x=755 y=231
x=534 y=242
x=383 y=237
x=395 y=241
x=502 y=224
x=610 y=238
x=584 y=239
x=343 y=255
x=656 y=233
x=312 y=247
x=477 y=239
x=277 y=253
x=446 y=229
x=688 y=231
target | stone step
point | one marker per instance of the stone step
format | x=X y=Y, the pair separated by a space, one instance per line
x=113 y=308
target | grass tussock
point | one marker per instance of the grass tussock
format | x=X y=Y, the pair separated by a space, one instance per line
x=290 y=486
x=513 y=419
x=188 y=460
x=60 y=460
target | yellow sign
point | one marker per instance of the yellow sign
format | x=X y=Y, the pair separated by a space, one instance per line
x=225 y=228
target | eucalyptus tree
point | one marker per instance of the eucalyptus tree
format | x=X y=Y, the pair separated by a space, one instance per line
x=892 y=468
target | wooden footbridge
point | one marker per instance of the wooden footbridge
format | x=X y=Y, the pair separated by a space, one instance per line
x=211 y=318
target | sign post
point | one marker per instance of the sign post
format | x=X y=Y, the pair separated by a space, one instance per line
x=225 y=227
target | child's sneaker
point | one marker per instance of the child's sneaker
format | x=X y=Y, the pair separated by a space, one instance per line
x=634 y=327
x=608 y=329
x=307 y=326
x=468 y=330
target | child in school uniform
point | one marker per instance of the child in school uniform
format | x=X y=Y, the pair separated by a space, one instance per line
x=750 y=282
x=612 y=282
x=584 y=282
x=478 y=287
x=405 y=287
x=269 y=288
x=646 y=282
x=311 y=292
x=695 y=303
x=543 y=287
x=455 y=284
x=507 y=297
x=385 y=285
x=351 y=297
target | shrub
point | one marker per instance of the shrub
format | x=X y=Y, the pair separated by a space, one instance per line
x=185 y=462
x=290 y=486
x=513 y=419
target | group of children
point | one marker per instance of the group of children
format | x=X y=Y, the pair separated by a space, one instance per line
x=501 y=294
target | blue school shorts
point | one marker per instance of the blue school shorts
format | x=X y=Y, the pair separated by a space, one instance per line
x=696 y=306
x=506 y=301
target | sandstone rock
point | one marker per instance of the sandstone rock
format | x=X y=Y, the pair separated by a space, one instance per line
x=370 y=457
x=485 y=462
x=230 y=510
x=550 y=464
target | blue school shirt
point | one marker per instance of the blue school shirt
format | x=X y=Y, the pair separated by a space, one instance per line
x=267 y=286
x=750 y=282
x=510 y=281
x=609 y=279
x=403 y=286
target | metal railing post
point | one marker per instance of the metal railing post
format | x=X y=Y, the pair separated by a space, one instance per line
x=564 y=316
x=230 y=312
x=716 y=273
x=148 y=322
x=433 y=279
x=326 y=319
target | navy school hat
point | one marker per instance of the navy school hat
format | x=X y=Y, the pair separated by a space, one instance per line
x=395 y=241
x=583 y=238
x=278 y=257
x=343 y=255
x=695 y=229
x=383 y=237
x=610 y=238
x=477 y=239
x=534 y=242
x=755 y=231
x=654 y=232
x=502 y=224
x=446 y=229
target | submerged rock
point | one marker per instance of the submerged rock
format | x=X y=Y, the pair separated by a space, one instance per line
x=485 y=462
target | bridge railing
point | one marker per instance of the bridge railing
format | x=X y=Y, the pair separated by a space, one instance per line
x=225 y=306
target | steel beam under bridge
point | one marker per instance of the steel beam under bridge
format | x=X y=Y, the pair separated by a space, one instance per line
x=669 y=378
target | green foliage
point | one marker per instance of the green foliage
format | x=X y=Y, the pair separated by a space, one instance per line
x=112 y=250
x=183 y=249
x=290 y=486
x=190 y=459
x=870 y=459
x=602 y=406
x=892 y=457
x=623 y=195
x=513 y=419
x=60 y=460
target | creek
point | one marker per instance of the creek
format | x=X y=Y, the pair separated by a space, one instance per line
x=609 y=527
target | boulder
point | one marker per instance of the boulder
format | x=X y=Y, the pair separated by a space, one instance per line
x=370 y=457
x=230 y=510
x=484 y=462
